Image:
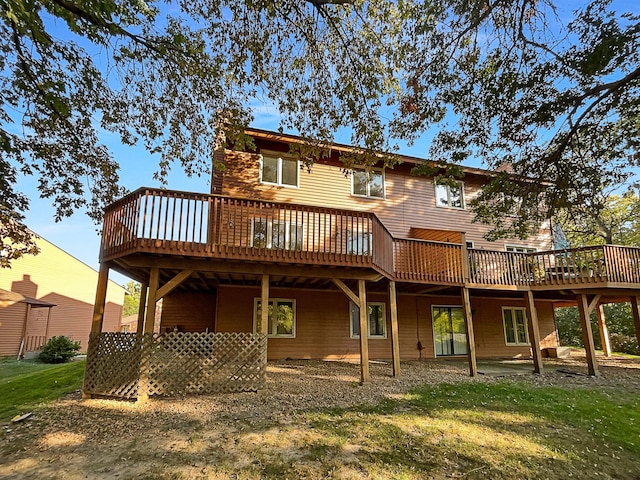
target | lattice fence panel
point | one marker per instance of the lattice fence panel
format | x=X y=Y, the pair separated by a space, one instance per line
x=175 y=363
x=183 y=363
x=113 y=364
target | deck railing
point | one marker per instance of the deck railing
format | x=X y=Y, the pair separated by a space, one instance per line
x=428 y=262
x=162 y=221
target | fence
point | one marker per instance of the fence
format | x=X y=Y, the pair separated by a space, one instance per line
x=174 y=363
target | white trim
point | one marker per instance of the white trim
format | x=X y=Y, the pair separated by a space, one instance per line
x=279 y=158
x=515 y=331
x=470 y=244
x=269 y=233
x=529 y=248
x=433 y=331
x=363 y=169
x=276 y=300
x=369 y=336
x=448 y=205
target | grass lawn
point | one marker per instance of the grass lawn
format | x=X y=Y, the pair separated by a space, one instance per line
x=496 y=429
x=27 y=383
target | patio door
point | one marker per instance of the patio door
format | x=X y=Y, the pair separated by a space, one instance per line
x=449 y=333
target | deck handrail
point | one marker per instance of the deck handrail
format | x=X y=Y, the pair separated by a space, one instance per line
x=157 y=220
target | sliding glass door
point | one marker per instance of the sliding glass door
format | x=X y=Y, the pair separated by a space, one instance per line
x=449 y=333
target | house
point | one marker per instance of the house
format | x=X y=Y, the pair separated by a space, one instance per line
x=335 y=253
x=51 y=294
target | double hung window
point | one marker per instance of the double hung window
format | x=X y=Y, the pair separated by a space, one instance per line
x=280 y=171
x=367 y=183
x=376 y=320
x=515 y=326
x=450 y=196
x=282 y=317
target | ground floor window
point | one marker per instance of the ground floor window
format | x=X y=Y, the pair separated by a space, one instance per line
x=282 y=317
x=449 y=331
x=515 y=326
x=377 y=320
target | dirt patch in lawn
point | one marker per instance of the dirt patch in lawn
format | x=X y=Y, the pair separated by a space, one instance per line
x=233 y=435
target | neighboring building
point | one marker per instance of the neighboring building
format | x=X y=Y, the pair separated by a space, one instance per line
x=59 y=292
x=318 y=243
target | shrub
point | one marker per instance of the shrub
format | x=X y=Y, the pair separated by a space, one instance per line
x=59 y=350
x=624 y=344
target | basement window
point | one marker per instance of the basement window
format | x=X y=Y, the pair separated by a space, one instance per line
x=515 y=326
x=377 y=321
x=282 y=317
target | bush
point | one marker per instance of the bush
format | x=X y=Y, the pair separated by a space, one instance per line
x=59 y=350
x=624 y=344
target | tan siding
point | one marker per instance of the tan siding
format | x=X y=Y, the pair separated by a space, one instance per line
x=56 y=277
x=190 y=312
x=410 y=201
x=322 y=325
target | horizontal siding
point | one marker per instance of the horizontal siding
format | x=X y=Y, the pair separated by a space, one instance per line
x=189 y=312
x=322 y=325
x=56 y=277
x=410 y=201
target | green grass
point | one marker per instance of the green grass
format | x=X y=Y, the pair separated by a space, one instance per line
x=476 y=430
x=26 y=384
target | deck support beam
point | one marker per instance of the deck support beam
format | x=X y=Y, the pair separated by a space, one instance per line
x=395 y=346
x=150 y=320
x=101 y=298
x=471 y=340
x=263 y=326
x=534 y=332
x=364 y=332
x=144 y=287
x=635 y=310
x=604 y=330
x=585 y=308
x=173 y=283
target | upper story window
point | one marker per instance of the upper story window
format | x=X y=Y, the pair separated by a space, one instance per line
x=367 y=183
x=519 y=249
x=359 y=242
x=276 y=170
x=450 y=196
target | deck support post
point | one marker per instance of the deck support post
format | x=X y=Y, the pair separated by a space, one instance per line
x=98 y=306
x=154 y=280
x=364 y=332
x=534 y=332
x=149 y=324
x=604 y=330
x=587 y=335
x=101 y=298
x=471 y=341
x=263 y=325
x=635 y=310
x=144 y=287
x=395 y=346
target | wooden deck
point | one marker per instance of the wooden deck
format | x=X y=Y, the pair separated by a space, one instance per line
x=172 y=223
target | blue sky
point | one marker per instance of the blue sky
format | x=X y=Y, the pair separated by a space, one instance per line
x=78 y=235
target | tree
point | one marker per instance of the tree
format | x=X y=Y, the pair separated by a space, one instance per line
x=507 y=81
x=131 y=299
x=606 y=218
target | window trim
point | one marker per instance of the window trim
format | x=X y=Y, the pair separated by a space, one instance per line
x=269 y=239
x=279 y=157
x=275 y=300
x=513 y=320
x=369 y=336
x=470 y=244
x=448 y=187
x=368 y=195
x=527 y=247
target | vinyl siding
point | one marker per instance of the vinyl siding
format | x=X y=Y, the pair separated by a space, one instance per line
x=56 y=277
x=410 y=201
x=322 y=323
